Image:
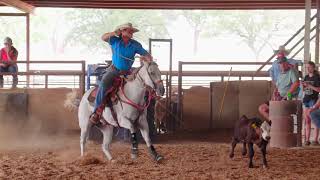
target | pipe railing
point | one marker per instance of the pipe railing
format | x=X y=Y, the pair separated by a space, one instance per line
x=81 y=73
x=289 y=40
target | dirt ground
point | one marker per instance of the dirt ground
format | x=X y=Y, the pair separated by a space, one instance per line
x=187 y=156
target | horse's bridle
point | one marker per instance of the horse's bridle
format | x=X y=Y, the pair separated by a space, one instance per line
x=151 y=92
x=155 y=83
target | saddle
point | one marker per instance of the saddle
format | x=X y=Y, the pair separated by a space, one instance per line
x=111 y=93
x=111 y=97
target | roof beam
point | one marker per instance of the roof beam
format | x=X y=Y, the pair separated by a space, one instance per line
x=172 y=4
x=25 y=7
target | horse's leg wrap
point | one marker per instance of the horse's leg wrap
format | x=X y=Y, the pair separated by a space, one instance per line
x=134 y=148
x=154 y=154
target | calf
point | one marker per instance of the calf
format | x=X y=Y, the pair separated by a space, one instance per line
x=160 y=115
x=251 y=131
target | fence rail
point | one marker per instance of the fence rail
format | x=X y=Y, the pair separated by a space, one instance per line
x=47 y=74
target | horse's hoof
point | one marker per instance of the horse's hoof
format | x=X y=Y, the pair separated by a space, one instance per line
x=113 y=161
x=134 y=156
x=231 y=156
x=264 y=166
x=159 y=158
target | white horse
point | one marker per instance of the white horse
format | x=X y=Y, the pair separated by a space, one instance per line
x=130 y=115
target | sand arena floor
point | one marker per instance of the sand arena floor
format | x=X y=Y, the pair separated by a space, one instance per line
x=187 y=156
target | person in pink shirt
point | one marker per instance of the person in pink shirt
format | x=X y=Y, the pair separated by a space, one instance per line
x=8 y=61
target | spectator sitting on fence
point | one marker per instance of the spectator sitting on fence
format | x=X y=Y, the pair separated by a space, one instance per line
x=286 y=84
x=8 y=61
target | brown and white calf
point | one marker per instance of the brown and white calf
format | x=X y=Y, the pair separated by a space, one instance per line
x=251 y=131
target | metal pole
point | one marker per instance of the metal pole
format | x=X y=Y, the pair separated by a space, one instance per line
x=260 y=68
x=170 y=74
x=224 y=95
x=46 y=81
x=167 y=100
x=28 y=47
x=180 y=92
x=299 y=50
x=83 y=77
x=307 y=32
x=211 y=104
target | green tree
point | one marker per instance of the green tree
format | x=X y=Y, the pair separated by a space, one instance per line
x=256 y=28
x=88 y=25
x=202 y=22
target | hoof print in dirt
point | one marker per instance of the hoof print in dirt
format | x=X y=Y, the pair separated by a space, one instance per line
x=134 y=156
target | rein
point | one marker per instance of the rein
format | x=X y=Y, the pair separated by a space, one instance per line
x=150 y=91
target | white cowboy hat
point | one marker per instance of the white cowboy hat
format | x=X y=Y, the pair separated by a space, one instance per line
x=127 y=26
x=282 y=49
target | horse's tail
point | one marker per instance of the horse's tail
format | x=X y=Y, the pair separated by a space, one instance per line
x=72 y=100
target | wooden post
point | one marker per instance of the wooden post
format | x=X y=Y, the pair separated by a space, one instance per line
x=307 y=32
x=25 y=7
x=317 y=33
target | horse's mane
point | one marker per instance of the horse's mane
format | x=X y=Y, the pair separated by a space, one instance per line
x=132 y=76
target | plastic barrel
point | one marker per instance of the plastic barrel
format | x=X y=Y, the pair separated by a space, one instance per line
x=282 y=128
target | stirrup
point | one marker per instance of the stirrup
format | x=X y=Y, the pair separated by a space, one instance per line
x=97 y=120
x=94 y=118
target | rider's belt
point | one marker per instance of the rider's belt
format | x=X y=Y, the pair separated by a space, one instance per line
x=121 y=72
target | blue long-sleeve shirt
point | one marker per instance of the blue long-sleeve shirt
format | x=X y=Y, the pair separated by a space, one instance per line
x=275 y=71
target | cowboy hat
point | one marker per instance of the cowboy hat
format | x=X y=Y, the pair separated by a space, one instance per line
x=282 y=49
x=127 y=26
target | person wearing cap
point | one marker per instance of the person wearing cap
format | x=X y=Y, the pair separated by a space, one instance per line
x=124 y=49
x=274 y=70
x=288 y=80
x=285 y=78
x=8 y=61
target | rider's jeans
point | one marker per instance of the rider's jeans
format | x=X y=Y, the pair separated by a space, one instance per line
x=105 y=84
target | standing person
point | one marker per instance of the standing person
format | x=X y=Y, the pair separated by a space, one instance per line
x=124 y=48
x=311 y=85
x=274 y=73
x=314 y=112
x=274 y=70
x=8 y=61
x=287 y=84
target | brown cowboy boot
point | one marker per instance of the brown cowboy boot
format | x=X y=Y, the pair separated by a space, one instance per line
x=96 y=116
